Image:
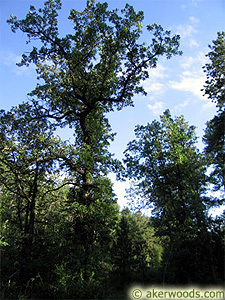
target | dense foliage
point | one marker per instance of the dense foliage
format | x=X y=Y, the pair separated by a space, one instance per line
x=170 y=174
x=62 y=234
x=215 y=70
x=215 y=131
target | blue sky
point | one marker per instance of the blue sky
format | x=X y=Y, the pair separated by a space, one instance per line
x=175 y=84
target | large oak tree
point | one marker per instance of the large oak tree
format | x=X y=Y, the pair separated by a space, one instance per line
x=95 y=69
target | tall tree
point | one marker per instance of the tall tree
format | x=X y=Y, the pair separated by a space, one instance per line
x=95 y=69
x=169 y=172
x=215 y=69
x=215 y=90
x=214 y=139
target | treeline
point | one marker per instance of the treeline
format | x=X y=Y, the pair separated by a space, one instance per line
x=62 y=234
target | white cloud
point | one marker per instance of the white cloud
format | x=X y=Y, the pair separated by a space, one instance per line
x=208 y=104
x=155 y=88
x=187 y=31
x=187 y=62
x=197 y=61
x=193 y=43
x=195 y=2
x=194 y=20
x=189 y=82
x=192 y=78
x=158 y=72
x=157 y=108
x=10 y=60
x=180 y=106
x=192 y=3
x=188 y=77
x=155 y=85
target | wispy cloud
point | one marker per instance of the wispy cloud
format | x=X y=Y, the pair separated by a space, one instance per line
x=197 y=61
x=159 y=72
x=157 y=108
x=182 y=105
x=188 y=31
x=194 y=20
x=208 y=104
x=10 y=59
x=192 y=3
x=193 y=43
x=155 y=85
x=155 y=88
x=187 y=77
x=189 y=82
x=191 y=78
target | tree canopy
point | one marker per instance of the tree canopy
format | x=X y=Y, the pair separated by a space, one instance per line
x=215 y=69
x=98 y=67
x=169 y=175
x=215 y=90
